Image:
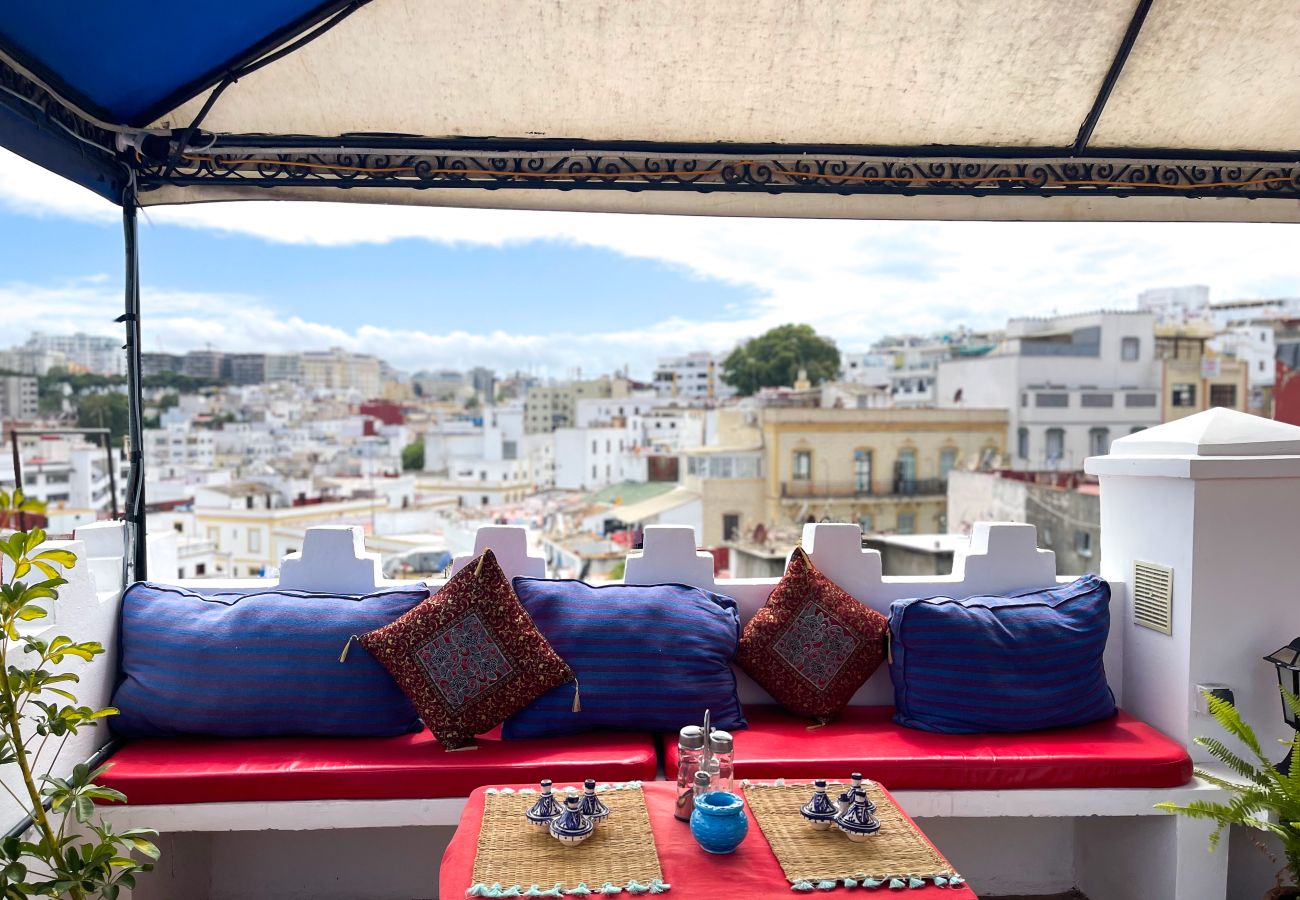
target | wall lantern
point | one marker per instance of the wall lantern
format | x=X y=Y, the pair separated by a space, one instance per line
x=1287 y=661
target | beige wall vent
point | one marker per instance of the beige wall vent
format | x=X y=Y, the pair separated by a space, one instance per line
x=1153 y=596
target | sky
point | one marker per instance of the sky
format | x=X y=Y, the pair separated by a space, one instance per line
x=562 y=293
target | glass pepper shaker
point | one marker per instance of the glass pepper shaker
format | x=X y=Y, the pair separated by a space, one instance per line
x=722 y=758
x=690 y=753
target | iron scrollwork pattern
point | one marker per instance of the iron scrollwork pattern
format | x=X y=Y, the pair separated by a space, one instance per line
x=770 y=173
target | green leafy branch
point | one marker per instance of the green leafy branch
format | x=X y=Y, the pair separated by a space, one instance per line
x=61 y=859
x=1261 y=797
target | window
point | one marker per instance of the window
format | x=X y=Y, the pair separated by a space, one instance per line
x=1055 y=444
x=1132 y=400
x=1022 y=443
x=802 y=465
x=907 y=523
x=866 y=523
x=1136 y=428
x=947 y=461
x=1098 y=441
x=214 y=534
x=200 y=569
x=862 y=471
x=509 y=450
x=254 y=540
x=1129 y=349
x=1052 y=400
x=906 y=465
x=1223 y=395
x=1096 y=400
x=1183 y=395
x=730 y=526
x=1083 y=543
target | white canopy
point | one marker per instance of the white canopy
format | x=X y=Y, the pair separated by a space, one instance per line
x=970 y=109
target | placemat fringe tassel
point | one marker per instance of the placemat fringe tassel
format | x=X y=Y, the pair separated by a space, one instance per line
x=655 y=886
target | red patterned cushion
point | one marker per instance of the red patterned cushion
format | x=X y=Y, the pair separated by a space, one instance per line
x=469 y=656
x=812 y=645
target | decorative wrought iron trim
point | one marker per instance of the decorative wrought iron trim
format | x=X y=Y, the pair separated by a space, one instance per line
x=776 y=173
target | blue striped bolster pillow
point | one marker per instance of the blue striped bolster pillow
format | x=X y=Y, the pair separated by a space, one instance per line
x=647 y=657
x=1025 y=662
x=256 y=664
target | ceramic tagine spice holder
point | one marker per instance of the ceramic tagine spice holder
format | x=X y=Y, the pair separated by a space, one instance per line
x=857 y=822
x=845 y=800
x=541 y=813
x=819 y=811
x=592 y=807
x=571 y=827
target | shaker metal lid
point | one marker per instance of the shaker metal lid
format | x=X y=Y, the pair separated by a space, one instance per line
x=721 y=742
x=691 y=738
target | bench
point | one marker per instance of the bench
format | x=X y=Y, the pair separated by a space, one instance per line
x=1117 y=769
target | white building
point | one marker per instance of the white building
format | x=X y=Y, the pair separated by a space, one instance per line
x=865 y=368
x=88 y=352
x=69 y=474
x=1254 y=343
x=18 y=397
x=487 y=461
x=1072 y=384
x=1186 y=305
x=587 y=459
x=694 y=378
x=31 y=360
x=179 y=445
x=1234 y=312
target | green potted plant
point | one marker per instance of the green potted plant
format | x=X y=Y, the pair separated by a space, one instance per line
x=65 y=853
x=1263 y=799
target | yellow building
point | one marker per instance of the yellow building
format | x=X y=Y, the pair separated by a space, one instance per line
x=885 y=469
x=1195 y=378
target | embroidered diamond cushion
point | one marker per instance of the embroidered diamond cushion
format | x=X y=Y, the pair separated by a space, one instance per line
x=256 y=664
x=812 y=645
x=469 y=656
x=1026 y=662
x=647 y=657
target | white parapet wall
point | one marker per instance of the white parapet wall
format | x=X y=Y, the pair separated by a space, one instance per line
x=1212 y=498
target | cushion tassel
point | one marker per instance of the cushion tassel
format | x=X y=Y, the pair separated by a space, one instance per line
x=580 y=891
x=343 y=657
x=915 y=882
x=802 y=885
x=896 y=884
x=611 y=888
x=826 y=885
x=577 y=696
x=658 y=886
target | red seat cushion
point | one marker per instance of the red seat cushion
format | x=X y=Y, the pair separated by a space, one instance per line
x=410 y=766
x=1117 y=752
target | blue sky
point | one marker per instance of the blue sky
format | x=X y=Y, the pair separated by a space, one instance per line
x=555 y=292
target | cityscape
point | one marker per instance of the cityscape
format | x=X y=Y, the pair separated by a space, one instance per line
x=914 y=438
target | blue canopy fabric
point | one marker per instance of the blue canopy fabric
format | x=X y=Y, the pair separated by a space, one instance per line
x=127 y=61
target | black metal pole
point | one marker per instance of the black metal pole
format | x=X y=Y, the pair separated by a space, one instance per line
x=18 y=478
x=135 y=514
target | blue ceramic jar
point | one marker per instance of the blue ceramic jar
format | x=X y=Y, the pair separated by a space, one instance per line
x=718 y=822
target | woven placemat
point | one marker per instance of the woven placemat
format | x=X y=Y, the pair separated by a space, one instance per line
x=514 y=858
x=897 y=856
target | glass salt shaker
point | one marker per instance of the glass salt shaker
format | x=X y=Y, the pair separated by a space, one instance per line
x=722 y=758
x=690 y=754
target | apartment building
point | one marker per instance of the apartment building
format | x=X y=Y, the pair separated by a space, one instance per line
x=1071 y=385
x=885 y=469
x=83 y=352
x=553 y=406
x=1193 y=377
x=486 y=461
x=339 y=370
x=70 y=474
x=695 y=378
x=18 y=397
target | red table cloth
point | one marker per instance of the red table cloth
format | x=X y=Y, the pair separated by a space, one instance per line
x=751 y=872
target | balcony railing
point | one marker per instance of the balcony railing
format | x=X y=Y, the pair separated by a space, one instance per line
x=898 y=487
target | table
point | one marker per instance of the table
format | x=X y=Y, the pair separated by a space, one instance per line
x=751 y=872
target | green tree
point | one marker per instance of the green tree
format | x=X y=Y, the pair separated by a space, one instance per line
x=109 y=411
x=413 y=457
x=775 y=358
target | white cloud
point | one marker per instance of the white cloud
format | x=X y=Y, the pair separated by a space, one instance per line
x=852 y=280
